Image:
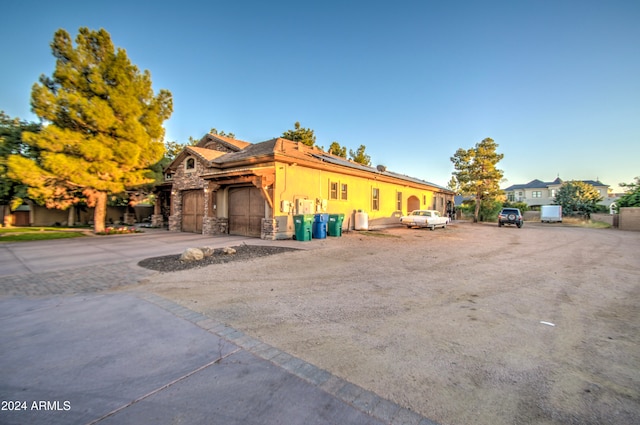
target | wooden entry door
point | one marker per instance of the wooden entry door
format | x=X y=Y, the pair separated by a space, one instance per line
x=246 y=211
x=413 y=203
x=192 y=211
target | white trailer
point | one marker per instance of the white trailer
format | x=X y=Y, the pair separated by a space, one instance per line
x=551 y=213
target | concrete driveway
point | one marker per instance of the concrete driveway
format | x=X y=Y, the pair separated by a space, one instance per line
x=74 y=353
x=45 y=256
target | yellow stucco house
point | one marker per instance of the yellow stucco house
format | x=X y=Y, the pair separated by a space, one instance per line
x=228 y=186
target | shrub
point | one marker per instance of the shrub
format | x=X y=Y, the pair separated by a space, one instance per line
x=123 y=230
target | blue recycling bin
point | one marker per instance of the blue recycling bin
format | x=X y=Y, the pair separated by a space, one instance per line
x=319 y=229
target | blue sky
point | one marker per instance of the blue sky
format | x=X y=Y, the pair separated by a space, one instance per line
x=555 y=83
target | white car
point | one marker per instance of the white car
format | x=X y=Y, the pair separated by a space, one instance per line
x=424 y=218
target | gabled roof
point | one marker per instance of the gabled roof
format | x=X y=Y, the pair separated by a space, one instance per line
x=538 y=184
x=533 y=184
x=252 y=150
x=233 y=144
x=205 y=154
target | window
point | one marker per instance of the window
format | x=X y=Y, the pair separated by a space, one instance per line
x=398 y=201
x=190 y=164
x=375 y=199
x=536 y=194
x=333 y=190
x=553 y=193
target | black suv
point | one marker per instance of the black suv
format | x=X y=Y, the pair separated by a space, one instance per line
x=510 y=216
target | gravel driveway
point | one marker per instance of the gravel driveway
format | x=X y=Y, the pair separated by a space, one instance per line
x=472 y=324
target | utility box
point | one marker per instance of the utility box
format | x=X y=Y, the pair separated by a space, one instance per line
x=551 y=213
x=305 y=206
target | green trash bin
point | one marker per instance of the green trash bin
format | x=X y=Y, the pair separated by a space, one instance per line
x=303 y=224
x=335 y=224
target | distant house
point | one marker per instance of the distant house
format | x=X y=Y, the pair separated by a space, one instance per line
x=227 y=186
x=31 y=214
x=537 y=193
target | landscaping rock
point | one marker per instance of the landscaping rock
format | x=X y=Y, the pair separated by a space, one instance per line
x=207 y=251
x=228 y=251
x=192 y=254
x=172 y=263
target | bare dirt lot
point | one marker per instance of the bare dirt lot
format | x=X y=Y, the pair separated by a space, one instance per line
x=449 y=323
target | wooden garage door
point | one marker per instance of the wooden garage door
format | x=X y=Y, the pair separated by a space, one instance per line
x=192 y=211
x=246 y=211
x=21 y=218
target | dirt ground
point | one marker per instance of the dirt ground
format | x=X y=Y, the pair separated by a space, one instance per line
x=472 y=324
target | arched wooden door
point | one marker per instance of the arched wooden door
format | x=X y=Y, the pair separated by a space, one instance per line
x=413 y=203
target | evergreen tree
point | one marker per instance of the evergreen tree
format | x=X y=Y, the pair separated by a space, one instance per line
x=577 y=197
x=300 y=134
x=222 y=133
x=102 y=125
x=631 y=198
x=360 y=156
x=13 y=192
x=476 y=173
x=338 y=150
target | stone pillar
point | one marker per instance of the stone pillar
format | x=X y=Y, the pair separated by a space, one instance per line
x=269 y=229
x=175 y=219
x=129 y=218
x=157 y=220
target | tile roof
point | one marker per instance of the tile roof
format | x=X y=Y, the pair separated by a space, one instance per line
x=291 y=149
x=346 y=163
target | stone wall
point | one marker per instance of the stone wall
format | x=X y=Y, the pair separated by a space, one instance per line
x=605 y=218
x=215 y=225
x=184 y=180
x=531 y=215
x=629 y=218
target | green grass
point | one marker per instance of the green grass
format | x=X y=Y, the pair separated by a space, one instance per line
x=29 y=229
x=24 y=234
x=376 y=234
x=572 y=221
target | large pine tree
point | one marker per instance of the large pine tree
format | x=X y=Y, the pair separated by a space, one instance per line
x=477 y=173
x=102 y=125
